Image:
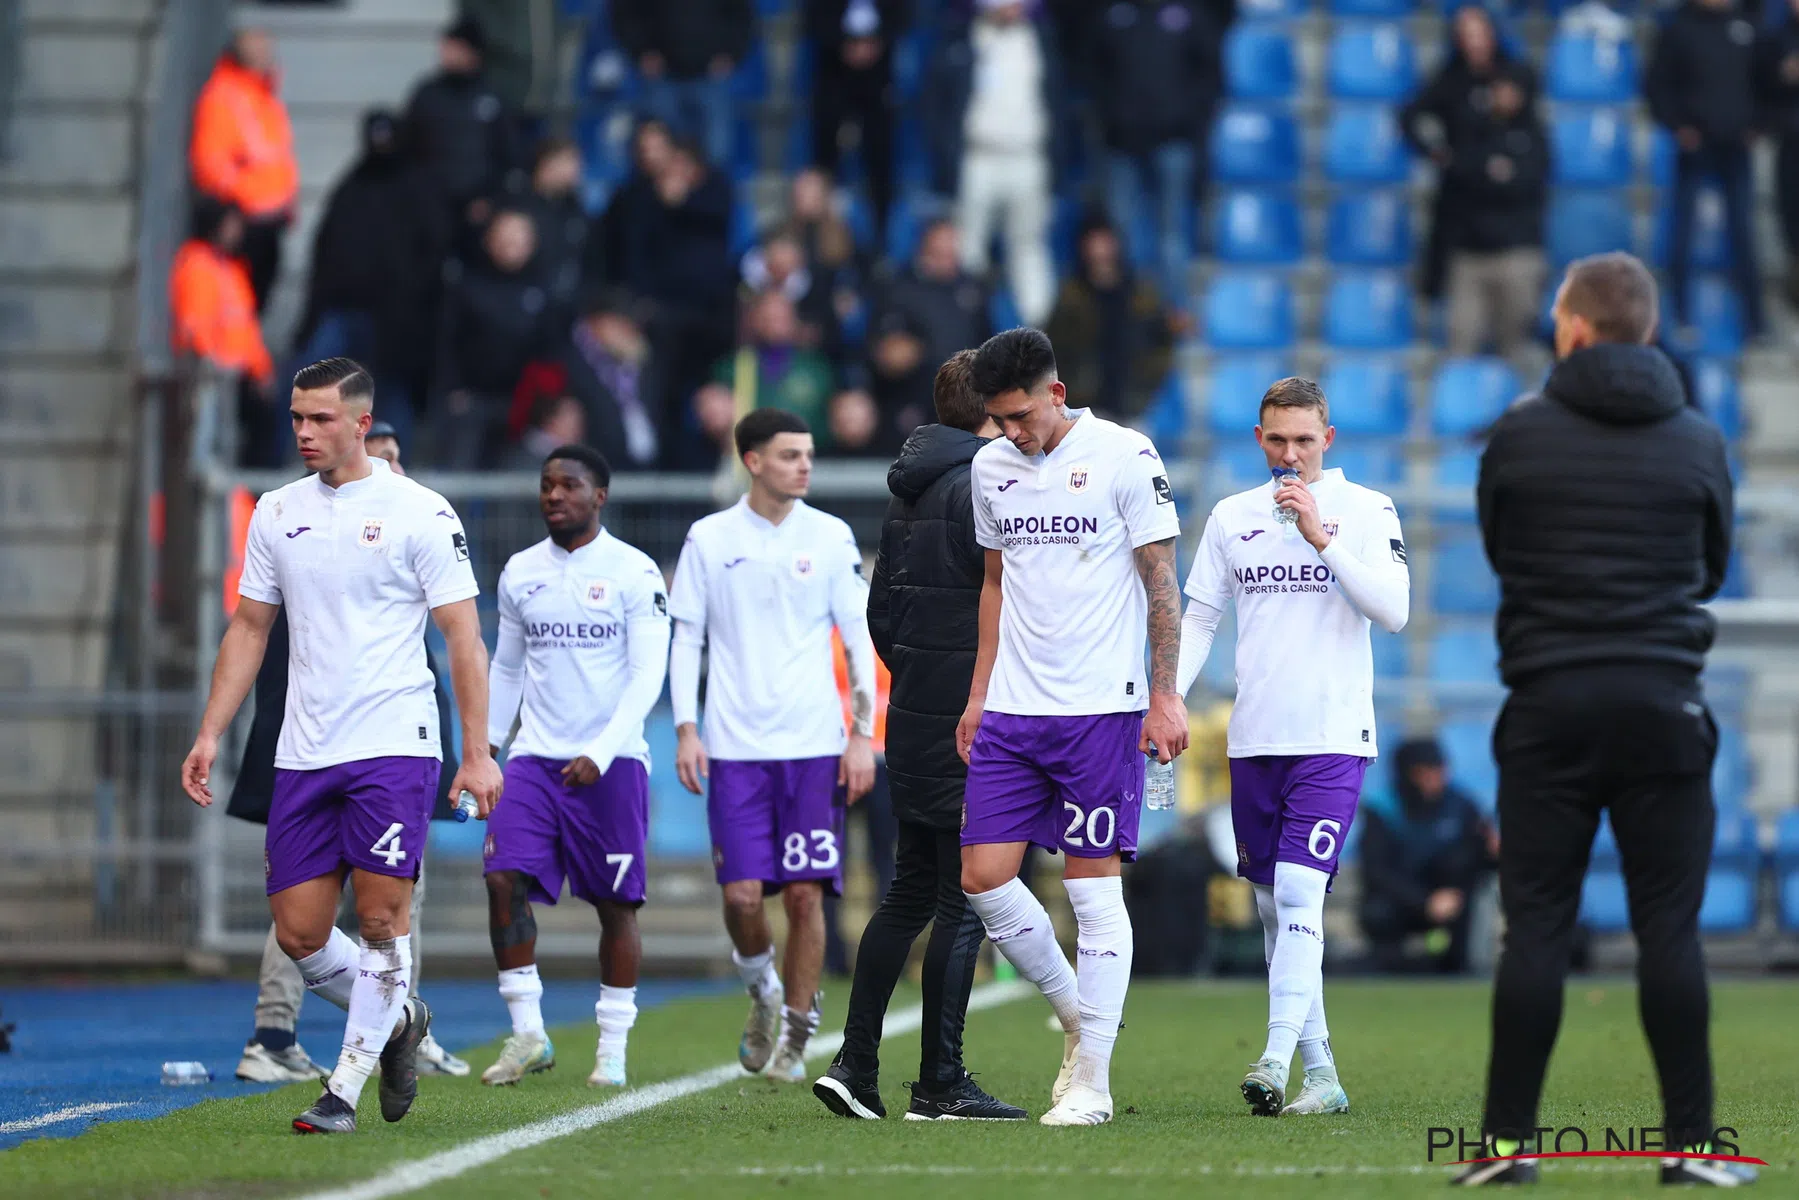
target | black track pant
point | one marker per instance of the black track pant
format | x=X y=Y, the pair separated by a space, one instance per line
x=927 y=886
x=1639 y=741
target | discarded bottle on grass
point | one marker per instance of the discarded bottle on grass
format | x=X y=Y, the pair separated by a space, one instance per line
x=466 y=806
x=181 y=1074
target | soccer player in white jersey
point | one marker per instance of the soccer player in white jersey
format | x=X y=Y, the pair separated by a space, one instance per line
x=359 y=556
x=762 y=584
x=584 y=646
x=1302 y=731
x=1078 y=524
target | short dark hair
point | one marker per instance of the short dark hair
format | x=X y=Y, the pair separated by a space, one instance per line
x=759 y=428
x=1296 y=391
x=587 y=456
x=1616 y=294
x=352 y=380
x=958 y=405
x=550 y=147
x=1014 y=361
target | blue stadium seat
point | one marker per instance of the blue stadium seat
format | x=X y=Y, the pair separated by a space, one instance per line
x=1249 y=310
x=1389 y=655
x=1710 y=249
x=1272 y=10
x=906 y=220
x=1715 y=383
x=1374 y=462
x=1464 y=656
x=743 y=221
x=1368 y=310
x=1729 y=902
x=1604 y=907
x=1468 y=746
x=1662 y=155
x=1587 y=221
x=1256 y=226
x=1255 y=145
x=1733 y=770
x=1786 y=869
x=1259 y=61
x=1591 y=147
x=1235 y=391
x=1459 y=468
x=1370 y=229
x=1468 y=394
x=749 y=84
x=1461 y=582
x=1002 y=310
x=911 y=56
x=1372 y=8
x=1362 y=145
x=1583 y=69
x=1370 y=61
x=1235 y=465
x=1713 y=308
x=1367 y=394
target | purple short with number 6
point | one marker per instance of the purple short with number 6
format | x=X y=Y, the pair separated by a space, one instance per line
x=1073 y=784
x=1293 y=808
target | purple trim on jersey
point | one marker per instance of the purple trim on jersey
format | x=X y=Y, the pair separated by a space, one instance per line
x=1073 y=784
x=593 y=836
x=371 y=815
x=779 y=821
x=1289 y=807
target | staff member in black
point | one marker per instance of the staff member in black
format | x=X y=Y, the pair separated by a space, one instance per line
x=1605 y=506
x=923 y=610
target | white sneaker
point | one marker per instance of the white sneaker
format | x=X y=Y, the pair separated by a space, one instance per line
x=608 y=1070
x=1265 y=1087
x=523 y=1054
x=1320 y=1093
x=789 y=1063
x=761 y=1030
x=292 y=1065
x=435 y=1060
x=1071 y=1054
x=1082 y=1105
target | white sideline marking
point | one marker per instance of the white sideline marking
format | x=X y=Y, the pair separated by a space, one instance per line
x=1244 y=1170
x=410 y=1176
x=59 y=1115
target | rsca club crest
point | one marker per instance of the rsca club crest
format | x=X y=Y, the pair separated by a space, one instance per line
x=1330 y=528
x=598 y=592
x=802 y=566
x=371 y=533
x=1077 y=479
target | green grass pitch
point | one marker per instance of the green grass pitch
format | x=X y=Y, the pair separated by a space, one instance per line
x=1412 y=1055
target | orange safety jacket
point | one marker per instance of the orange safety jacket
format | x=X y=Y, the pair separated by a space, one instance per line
x=243 y=146
x=214 y=311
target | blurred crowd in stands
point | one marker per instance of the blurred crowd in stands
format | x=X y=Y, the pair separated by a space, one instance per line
x=459 y=256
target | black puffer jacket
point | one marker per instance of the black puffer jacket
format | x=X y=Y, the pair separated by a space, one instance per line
x=924 y=610
x=1606 y=508
x=1703 y=73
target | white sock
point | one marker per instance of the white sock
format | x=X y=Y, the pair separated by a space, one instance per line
x=1104 y=972
x=798 y=1027
x=376 y=1002
x=1314 y=1035
x=1020 y=929
x=1296 y=969
x=522 y=991
x=758 y=971
x=616 y=1013
x=331 y=971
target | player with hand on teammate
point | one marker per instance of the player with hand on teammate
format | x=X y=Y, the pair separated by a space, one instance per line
x=1311 y=561
x=583 y=647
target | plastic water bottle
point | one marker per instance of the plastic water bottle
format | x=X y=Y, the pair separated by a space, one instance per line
x=182 y=1074
x=1282 y=514
x=466 y=806
x=1158 y=782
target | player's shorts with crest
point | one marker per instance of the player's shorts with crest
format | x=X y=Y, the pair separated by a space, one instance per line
x=371 y=815
x=593 y=836
x=779 y=821
x=1293 y=808
x=1073 y=784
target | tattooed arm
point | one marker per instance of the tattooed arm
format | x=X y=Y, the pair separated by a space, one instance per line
x=1166 y=722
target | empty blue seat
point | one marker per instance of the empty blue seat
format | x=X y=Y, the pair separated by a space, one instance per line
x=1588 y=221
x=1255 y=145
x=1249 y=310
x=1710 y=248
x=1374 y=462
x=1458 y=468
x=1461 y=582
x=1370 y=61
x=1362 y=145
x=1370 y=229
x=1372 y=8
x=1233 y=406
x=1368 y=310
x=1591 y=147
x=1272 y=9
x=1733 y=770
x=1259 y=61
x=1712 y=307
x=1468 y=746
x=1464 y=656
x=743 y=222
x=1468 y=394
x=1250 y=226
x=1591 y=70
x=1002 y=310
x=1234 y=465
x=749 y=83
x=1715 y=383
x=1389 y=654
x=1786 y=869
x=1662 y=154
x=1367 y=394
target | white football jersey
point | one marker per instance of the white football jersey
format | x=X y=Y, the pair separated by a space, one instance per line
x=1073 y=627
x=767 y=597
x=572 y=612
x=359 y=568
x=1305 y=669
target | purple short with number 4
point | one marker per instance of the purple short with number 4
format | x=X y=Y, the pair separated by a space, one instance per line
x=593 y=836
x=1293 y=808
x=780 y=821
x=1073 y=784
x=371 y=815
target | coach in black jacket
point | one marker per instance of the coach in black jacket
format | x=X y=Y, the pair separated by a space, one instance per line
x=1605 y=506
x=923 y=610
